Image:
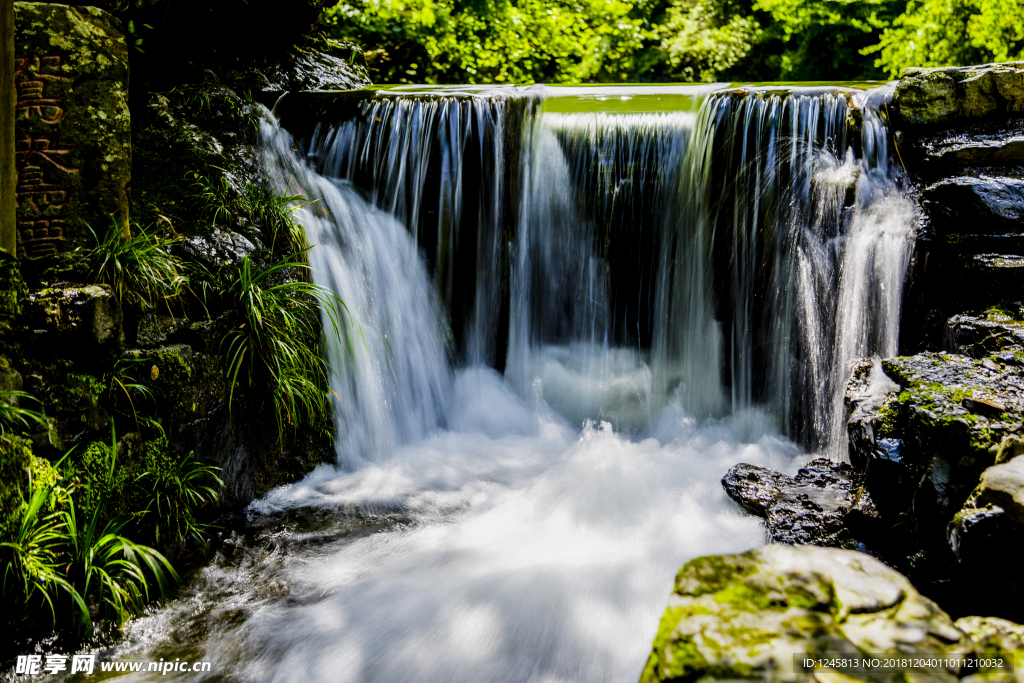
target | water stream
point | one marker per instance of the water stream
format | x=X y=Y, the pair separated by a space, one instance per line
x=572 y=310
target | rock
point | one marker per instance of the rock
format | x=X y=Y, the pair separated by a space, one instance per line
x=811 y=508
x=975 y=204
x=992 y=333
x=220 y=248
x=73 y=128
x=995 y=638
x=1003 y=486
x=978 y=146
x=156 y=330
x=191 y=142
x=75 y=322
x=186 y=383
x=952 y=94
x=867 y=391
x=76 y=404
x=309 y=69
x=921 y=454
x=747 y=616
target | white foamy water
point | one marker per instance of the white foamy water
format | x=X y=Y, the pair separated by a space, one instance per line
x=513 y=548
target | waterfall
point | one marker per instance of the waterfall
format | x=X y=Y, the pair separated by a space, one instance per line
x=615 y=250
x=571 y=310
x=390 y=375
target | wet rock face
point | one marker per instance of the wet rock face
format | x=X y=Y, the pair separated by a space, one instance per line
x=952 y=94
x=745 y=616
x=822 y=505
x=73 y=127
x=75 y=322
x=943 y=420
x=976 y=204
x=992 y=333
x=1002 y=486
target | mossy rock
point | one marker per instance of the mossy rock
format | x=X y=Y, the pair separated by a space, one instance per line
x=747 y=616
x=995 y=638
x=77 y=139
x=74 y=322
x=954 y=94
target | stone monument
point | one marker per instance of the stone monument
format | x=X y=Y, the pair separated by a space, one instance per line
x=72 y=127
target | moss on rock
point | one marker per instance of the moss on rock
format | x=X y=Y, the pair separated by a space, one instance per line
x=746 y=616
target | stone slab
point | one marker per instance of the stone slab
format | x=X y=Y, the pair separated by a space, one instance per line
x=73 y=128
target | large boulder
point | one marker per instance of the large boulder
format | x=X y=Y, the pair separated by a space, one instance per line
x=73 y=128
x=956 y=94
x=995 y=638
x=756 y=615
x=943 y=420
x=996 y=332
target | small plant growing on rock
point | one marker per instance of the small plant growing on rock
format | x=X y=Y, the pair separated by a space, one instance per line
x=137 y=265
x=33 y=571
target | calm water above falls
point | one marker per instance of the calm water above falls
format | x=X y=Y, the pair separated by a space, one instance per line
x=577 y=308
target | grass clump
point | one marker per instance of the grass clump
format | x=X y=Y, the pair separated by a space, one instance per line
x=175 y=491
x=15 y=417
x=137 y=265
x=273 y=355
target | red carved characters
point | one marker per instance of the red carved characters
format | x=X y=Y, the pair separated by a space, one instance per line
x=31 y=77
x=45 y=172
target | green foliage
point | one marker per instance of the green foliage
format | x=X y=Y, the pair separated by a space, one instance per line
x=273 y=355
x=705 y=39
x=275 y=216
x=53 y=551
x=175 y=491
x=824 y=39
x=137 y=265
x=126 y=389
x=14 y=417
x=952 y=32
x=111 y=571
x=497 y=41
x=212 y=195
x=33 y=571
x=526 y=41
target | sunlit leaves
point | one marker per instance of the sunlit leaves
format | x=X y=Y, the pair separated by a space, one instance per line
x=952 y=32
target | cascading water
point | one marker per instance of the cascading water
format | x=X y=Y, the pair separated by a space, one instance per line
x=572 y=309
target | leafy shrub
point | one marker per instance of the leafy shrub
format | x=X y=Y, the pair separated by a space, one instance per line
x=137 y=265
x=13 y=416
x=952 y=32
x=274 y=352
x=110 y=571
x=274 y=214
x=496 y=41
x=33 y=571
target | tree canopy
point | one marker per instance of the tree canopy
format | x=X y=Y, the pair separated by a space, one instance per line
x=554 y=41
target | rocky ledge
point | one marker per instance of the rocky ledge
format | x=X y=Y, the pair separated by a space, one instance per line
x=758 y=615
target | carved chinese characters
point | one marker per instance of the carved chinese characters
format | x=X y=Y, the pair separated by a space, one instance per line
x=43 y=184
x=31 y=76
x=72 y=127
